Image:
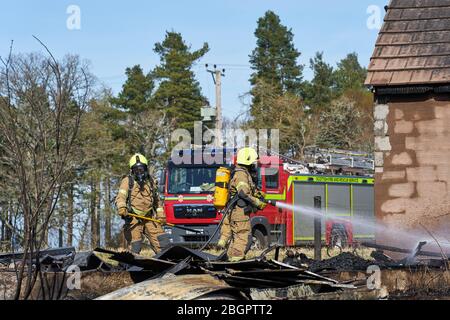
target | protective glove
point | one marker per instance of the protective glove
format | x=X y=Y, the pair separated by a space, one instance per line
x=260 y=195
x=123 y=212
x=261 y=204
x=162 y=219
x=160 y=215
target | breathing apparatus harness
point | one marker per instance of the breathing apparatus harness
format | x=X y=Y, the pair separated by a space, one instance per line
x=130 y=188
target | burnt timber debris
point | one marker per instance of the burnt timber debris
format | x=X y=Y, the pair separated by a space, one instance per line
x=182 y=273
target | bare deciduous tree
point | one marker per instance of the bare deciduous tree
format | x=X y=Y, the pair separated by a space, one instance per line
x=42 y=100
x=151 y=134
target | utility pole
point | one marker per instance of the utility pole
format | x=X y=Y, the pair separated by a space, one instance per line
x=217 y=75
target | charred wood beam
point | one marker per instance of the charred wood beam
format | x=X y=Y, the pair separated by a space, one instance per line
x=400 y=250
x=42 y=253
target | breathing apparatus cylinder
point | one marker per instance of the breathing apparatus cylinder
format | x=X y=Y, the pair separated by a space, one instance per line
x=223 y=176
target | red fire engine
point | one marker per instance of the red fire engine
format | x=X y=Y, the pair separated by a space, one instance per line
x=188 y=201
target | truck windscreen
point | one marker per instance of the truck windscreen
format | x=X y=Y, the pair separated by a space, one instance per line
x=192 y=179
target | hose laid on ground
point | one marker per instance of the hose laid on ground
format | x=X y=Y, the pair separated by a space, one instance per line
x=229 y=207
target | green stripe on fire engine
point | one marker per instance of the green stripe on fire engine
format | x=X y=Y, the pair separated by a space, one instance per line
x=186 y=198
x=276 y=196
x=329 y=179
x=360 y=236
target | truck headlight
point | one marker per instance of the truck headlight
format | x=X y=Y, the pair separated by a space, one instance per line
x=168 y=230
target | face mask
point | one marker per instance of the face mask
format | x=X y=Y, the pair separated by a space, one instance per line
x=253 y=171
x=140 y=174
x=254 y=175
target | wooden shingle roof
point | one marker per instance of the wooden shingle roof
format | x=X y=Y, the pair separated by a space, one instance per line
x=413 y=46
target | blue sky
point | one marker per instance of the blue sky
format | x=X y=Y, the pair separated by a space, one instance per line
x=118 y=34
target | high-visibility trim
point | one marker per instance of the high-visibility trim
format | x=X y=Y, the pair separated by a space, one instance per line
x=351 y=200
x=187 y=198
x=306 y=238
x=293 y=217
x=140 y=212
x=340 y=215
x=323 y=238
x=276 y=196
x=124 y=192
x=329 y=179
x=363 y=236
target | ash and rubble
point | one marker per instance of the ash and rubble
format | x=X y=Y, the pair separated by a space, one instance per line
x=344 y=261
x=197 y=274
x=347 y=261
x=182 y=273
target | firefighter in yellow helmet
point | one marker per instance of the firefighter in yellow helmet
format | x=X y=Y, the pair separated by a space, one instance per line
x=138 y=194
x=236 y=226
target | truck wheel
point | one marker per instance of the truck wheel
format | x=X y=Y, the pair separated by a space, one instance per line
x=260 y=241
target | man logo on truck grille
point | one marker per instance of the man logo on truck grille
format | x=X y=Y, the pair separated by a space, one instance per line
x=193 y=211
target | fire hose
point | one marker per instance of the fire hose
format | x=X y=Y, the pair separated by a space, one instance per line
x=227 y=210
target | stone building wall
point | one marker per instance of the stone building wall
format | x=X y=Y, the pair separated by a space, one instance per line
x=412 y=159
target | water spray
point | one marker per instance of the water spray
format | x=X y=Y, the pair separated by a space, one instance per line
x=413 y=237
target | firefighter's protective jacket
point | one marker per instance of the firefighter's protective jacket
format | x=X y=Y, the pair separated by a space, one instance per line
x=242 y=182
x=237 y=226
x=143 y=202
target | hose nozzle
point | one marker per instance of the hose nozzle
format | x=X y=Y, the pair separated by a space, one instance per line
x=262 y=198
x=272 y=202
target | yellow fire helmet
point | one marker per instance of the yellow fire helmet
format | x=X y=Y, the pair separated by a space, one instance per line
x=138 y=158
x=246 y=156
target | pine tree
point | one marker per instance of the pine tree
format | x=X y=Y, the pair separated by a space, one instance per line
x=136 y=93
x=319 y=92
x=178 y=93
x=350 y=74
x=274 y=60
